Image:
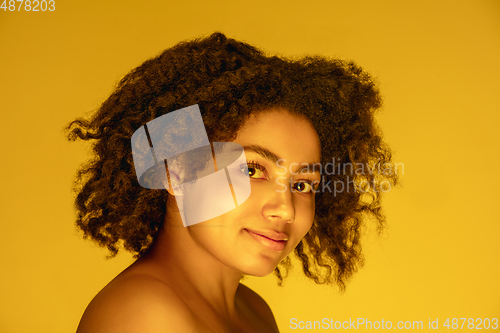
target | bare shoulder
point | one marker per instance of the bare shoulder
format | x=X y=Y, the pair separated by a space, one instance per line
x=258 y=306
x=136 y=303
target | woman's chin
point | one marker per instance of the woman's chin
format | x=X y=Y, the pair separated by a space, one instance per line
x=260 y=271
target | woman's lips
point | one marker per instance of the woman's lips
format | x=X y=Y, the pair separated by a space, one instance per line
x=276 y=243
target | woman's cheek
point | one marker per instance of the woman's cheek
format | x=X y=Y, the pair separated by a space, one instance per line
x=305 y=215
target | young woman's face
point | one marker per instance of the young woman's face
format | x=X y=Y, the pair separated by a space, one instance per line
x=254 y=237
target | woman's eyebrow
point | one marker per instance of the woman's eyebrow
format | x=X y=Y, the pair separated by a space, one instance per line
x=264 y=152
x=267 y=154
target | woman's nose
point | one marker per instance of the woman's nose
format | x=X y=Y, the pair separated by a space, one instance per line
x=279 y=204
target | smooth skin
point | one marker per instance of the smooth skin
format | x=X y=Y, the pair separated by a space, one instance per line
x=189 y=280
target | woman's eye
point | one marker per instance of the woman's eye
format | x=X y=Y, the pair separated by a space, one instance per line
x=253 y=171
x=303 y=187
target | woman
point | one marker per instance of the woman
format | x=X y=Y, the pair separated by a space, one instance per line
x=312 y=151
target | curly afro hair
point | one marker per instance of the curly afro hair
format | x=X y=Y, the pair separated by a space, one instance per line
x=230 y=80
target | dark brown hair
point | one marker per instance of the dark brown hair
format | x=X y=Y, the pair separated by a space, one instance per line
x=230 y=80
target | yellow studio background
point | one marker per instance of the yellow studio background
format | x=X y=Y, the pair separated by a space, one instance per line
x=438 y=67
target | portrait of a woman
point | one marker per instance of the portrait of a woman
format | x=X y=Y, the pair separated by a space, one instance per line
x=312 y=153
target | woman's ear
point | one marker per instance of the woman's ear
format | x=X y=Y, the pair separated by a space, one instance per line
x=173 y=181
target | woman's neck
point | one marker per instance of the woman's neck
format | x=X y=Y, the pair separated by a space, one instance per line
x=190 y=270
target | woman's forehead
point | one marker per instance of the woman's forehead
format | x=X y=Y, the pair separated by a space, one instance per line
x=284 y=135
